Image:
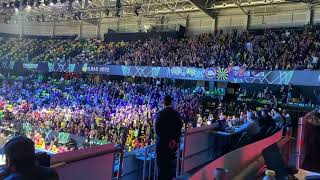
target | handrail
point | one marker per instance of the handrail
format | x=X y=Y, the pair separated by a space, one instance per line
x=121 y=150
x=200 y=129
x=58 y=165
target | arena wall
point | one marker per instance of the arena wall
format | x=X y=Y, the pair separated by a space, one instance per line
x=280 y=15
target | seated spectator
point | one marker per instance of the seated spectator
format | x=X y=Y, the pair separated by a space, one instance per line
x=277 y=117
x=251 y=126
x=21 y=164
x=266 y=121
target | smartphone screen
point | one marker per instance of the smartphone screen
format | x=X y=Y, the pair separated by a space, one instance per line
x=2 y=159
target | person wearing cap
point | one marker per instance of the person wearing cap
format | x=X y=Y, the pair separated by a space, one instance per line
x=21 y=164
x=168 y=127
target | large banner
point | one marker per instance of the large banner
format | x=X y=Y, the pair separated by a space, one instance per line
x=234 y=74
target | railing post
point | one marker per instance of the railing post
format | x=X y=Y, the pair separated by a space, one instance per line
x=123 y=143
x=183 y=150
x=150 y=162
x=155 y=172
x=144 y=163
x=178 y=162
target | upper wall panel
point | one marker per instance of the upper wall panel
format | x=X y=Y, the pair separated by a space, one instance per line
x=284 y=15
x=37 y=29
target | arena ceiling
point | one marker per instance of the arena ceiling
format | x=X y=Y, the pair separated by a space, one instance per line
x=95 y=10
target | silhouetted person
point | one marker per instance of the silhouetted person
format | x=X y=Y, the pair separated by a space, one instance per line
x=20 y=162
x=265 y=121
x=168 y=129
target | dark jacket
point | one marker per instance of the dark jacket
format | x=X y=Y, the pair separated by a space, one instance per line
x=168 y=127
x=268 y=121
x=34 y=173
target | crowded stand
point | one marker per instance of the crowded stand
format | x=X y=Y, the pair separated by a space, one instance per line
x=32 y=48
x=101 y=111
x=152 y=118
x=271 y=51
x=97 y=52
x=274 y=50
x=62 y=52
x=11 y=45
x=96 y=111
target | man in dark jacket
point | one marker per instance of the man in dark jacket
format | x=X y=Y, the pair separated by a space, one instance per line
x=168 y=129
x=20 y=162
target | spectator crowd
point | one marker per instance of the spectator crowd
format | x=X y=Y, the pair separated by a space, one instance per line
x=97 y=111
x=102 y=111
x=286 y=50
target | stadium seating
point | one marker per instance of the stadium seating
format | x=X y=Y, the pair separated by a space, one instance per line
x=274 y=50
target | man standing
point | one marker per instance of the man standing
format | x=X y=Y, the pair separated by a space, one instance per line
x=168 y=129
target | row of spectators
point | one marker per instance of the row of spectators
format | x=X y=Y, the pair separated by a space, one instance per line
x=273 y=50
x=285 y=95
x=288 y=49
x=25 y=49
x=10 y=45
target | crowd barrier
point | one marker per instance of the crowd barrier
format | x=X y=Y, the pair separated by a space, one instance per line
x=93 y=163
x=308 y=142
x=198 y=148
x=237 y=160
x=140 y=163
x=234 y=74
x=257 y=167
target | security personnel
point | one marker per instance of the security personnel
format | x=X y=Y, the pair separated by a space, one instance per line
x=168 y=129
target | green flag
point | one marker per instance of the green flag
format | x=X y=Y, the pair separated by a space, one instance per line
x=1 y=114
x=63 y=137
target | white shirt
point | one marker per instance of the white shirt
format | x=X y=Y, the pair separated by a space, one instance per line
x=315 y=59
x=249 y=45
